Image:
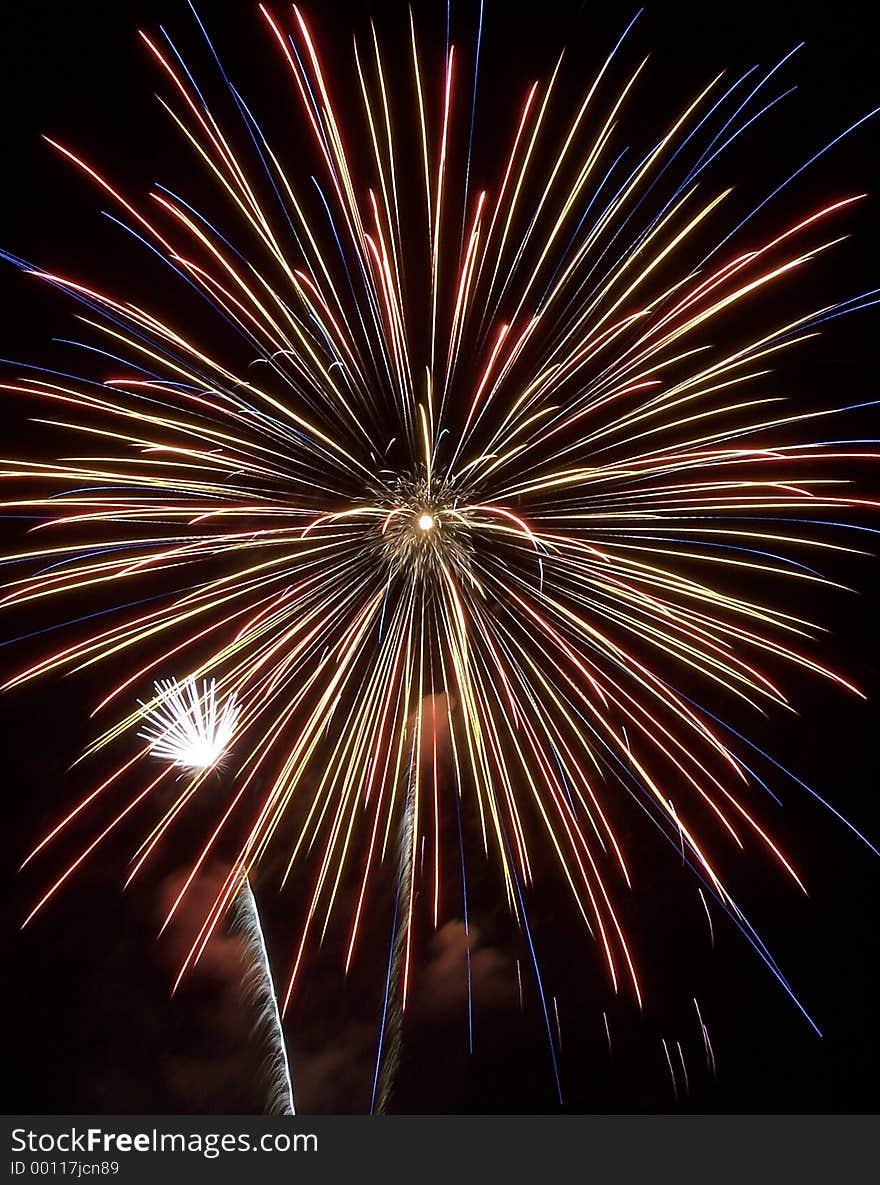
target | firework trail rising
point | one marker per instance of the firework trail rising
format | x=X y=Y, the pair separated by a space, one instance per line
x=491 y=434
x=258 y=979
x=391 y=1029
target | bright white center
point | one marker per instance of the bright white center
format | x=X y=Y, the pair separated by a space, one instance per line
x=199 y=755
x=426 y=521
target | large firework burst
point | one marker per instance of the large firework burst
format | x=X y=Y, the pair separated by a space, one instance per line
x=490 y=491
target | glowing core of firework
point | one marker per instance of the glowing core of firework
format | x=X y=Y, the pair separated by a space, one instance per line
x=185 y=725
x=426 y=521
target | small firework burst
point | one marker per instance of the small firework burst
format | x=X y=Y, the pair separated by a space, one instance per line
x=186 y=726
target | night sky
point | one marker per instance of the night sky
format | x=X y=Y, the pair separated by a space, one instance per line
x=86 y=987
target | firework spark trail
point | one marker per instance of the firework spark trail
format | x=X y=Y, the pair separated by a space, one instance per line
x=671 y=1068
x=708 y=919
x=520 y=460
x=258 y=980
x=391 y=1029
x=707 y=1044
x=607 y=1035
x=558 y=1025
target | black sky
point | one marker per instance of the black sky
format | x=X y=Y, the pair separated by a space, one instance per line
x=86 y=987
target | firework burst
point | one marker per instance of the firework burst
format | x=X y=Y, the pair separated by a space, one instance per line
x=185 y=725
x=493 y=491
